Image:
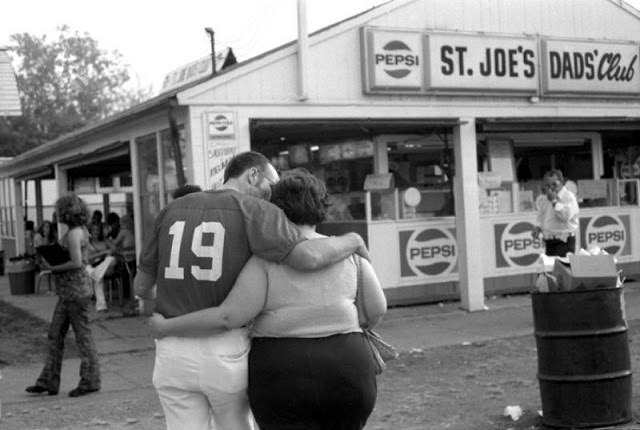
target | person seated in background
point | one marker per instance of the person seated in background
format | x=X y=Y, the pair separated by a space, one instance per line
x=29 y=234
x=123 y=247
x=100 y=261
x=45 y=235
x=113 y=226
x=96 y=217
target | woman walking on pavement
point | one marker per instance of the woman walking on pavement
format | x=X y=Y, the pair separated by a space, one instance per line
x=73 y=288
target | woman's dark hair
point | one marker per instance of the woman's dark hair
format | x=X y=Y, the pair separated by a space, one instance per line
x=51 y=237
x=96 y=217
x=113 y=218
x=243 y=161
x=555 y=172
x=72 y=211
x=302 y=197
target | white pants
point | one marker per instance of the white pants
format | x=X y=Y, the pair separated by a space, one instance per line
x=97 y=275
x=201 y=380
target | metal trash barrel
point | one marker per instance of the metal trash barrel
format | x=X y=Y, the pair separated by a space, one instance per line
x=584 y=366
x=22 y=276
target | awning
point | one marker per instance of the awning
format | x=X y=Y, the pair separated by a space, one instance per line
x=9 y=97
x=269 y=130
x=557 y=124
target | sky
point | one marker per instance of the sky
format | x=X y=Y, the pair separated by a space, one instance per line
x=158 y=36
x=155 y=37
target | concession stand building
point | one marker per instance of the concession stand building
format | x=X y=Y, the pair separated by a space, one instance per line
x=432 y=123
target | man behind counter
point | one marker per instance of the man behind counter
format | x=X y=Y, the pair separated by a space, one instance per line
x=557 y=216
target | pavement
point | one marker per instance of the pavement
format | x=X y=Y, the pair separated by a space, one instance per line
x=126 y=347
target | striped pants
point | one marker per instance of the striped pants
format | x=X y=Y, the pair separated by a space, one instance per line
x=75 y=313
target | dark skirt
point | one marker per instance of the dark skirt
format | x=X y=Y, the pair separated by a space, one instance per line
x=311 y=383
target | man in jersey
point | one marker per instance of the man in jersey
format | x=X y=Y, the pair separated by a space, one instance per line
x=199 y=245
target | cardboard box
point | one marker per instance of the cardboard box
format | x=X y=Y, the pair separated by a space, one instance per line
x=586 y=272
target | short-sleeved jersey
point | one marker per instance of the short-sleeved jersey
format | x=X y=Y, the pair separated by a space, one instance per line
x=201 y=242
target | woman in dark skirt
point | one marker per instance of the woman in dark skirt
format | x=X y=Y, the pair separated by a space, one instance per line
x=309 y=365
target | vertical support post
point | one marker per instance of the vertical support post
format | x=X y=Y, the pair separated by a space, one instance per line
x=162 y=198
x=19 y=216
x=62 y=185
x=380 y=156
x=106 y=204
x=39 y=216
x=470 y=245
x=303 y=51
x=137 y=204
x=175 y=144
x=597 y=159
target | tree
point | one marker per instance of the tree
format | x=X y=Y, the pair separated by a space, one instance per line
x=64 y=84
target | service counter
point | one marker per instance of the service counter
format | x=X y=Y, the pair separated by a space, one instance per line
x=415 y=255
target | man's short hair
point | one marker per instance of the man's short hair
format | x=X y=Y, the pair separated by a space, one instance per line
x=302 y=197
x=243 y=161
x=555 y=172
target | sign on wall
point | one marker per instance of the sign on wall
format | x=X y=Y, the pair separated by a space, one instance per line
x=515 y=245
x=394 y=60
x=218 y=155
x=590 y=67
x=466 y=62
x=610 y=233
x=220 y=146
x=415 y=62
x=220 y=124
x=428 y=252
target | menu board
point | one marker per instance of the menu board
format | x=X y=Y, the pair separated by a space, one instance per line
x=364 y=148
x=299 y=155
x=501 y=159
x=348 y=150
x=592 y=189
x=329 y=153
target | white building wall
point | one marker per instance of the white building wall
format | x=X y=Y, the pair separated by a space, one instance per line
x=335 y=75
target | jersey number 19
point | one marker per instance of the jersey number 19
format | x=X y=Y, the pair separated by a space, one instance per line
x=213 y=252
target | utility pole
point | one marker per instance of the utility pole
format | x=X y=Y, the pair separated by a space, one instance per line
x=211 y=34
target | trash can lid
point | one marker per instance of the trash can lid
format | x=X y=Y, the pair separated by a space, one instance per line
x=19 y=266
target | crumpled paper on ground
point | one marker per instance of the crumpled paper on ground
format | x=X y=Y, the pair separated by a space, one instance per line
x=514 y=412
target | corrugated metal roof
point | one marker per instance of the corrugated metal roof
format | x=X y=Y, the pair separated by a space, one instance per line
x=9 y=97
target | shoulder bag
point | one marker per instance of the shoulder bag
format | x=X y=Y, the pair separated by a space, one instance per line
x=381 y=351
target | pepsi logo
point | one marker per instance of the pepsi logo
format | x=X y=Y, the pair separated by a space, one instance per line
x=397 y=59
x=431 y=251
x=607 y=232
x=518 y=246
x=221 y=122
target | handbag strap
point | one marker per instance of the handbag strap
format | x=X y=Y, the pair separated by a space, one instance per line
x=363 y=318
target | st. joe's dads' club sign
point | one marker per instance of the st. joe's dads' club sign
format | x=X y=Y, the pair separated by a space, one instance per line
x=427 y=252
x=413 y=62
x=590 y=67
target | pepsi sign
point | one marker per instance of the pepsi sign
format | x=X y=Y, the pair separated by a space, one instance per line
x=427 y=252
x=607 y=232
x=220 y=124
x=515 y=245
x=393 y=60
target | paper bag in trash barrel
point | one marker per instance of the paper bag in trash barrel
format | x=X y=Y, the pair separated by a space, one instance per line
x=586 y=272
